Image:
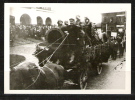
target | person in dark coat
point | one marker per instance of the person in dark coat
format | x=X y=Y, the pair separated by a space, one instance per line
x=88 y=27
x=120 y=36
x=73 y=31
x=109 y=33
x=73 y=40
x=87 y=30
x=90 y=33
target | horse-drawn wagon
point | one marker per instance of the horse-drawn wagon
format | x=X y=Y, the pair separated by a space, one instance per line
x=58 y=50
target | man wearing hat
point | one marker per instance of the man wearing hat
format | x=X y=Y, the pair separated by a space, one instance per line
x=74 y=39
x=66 y=23
x=72 y=21
x=88 y=30
x=88 y=26
x=73 y=32
x=60 y=23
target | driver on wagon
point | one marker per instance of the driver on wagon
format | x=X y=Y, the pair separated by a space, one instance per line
x=73 y=39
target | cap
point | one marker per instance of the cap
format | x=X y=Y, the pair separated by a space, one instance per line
x=60 y=21
x=71 y=19
x=66 y=22
x=86 y=18
x=78 y=17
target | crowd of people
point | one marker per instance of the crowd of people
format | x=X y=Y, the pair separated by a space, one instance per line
x=80 y=35
x=87 y=31
x=37 y=31
x=28 y=30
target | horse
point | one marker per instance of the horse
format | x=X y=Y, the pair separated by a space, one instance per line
x=28 y=75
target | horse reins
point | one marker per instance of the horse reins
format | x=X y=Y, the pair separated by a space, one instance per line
x=47 y=67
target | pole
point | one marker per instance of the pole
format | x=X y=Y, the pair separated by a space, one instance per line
x=106 y=28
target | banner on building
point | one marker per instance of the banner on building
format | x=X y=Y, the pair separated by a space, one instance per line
x=119 y=25
x=113 y=34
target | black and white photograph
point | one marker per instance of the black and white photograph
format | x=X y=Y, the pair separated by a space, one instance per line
x=67 y=48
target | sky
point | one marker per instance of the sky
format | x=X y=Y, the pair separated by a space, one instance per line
x=93 y=11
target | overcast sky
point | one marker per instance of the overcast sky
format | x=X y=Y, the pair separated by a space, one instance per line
x=93 y=11
x=64 y=11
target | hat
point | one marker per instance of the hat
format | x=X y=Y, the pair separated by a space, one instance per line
x=66 y=22
x=71 y=20
x=60 y=21
x=86 y=18
x=78 y=17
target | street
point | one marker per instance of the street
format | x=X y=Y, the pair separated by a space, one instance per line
x=112 y=76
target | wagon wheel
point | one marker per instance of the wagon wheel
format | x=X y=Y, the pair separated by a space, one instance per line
x=84 y=78
x=99 y=68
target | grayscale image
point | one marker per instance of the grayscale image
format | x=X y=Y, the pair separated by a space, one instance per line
x=67 y=47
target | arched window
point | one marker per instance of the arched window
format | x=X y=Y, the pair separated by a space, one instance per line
x=25 y=19
x=39 y=21
x=48 y=21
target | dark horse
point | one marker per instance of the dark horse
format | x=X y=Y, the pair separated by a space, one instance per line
x=27 y=75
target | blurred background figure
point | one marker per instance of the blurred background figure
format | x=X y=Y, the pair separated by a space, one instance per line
x=66 y=23
x=87 y=30
x=60 y=23
x=121 y=41
x=109 y=33
x=88 y=26
x=78 y=20
x=95 y=27
x=72 y=21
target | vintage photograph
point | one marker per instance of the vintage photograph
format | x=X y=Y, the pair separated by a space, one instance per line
x=54 y=48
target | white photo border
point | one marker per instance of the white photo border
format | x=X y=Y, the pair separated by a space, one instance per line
x=127 y=89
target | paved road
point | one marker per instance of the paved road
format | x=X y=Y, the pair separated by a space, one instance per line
x=26 y=51
x=110 y=78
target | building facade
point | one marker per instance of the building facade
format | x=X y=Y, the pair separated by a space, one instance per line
x=113 y=21
x=32 y=15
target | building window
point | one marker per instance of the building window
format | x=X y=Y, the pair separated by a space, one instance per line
x=48 y=21
x=39 y=21
x=111 y=19
x=25 y=19
x=123 y=19
x=119 y=19
x=104 y=19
